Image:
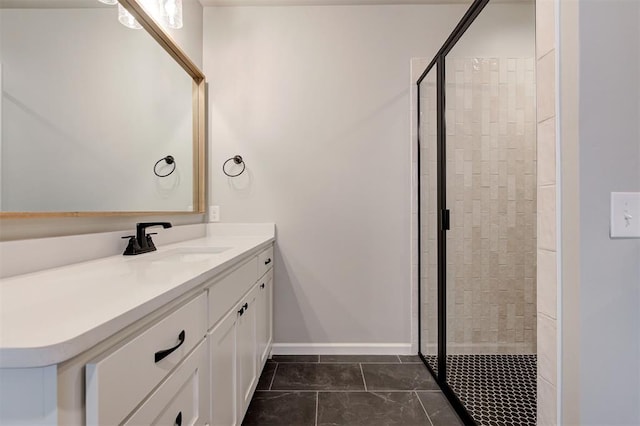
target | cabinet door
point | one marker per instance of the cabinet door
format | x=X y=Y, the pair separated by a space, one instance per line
x=224 y=411
x=247 y=350
x=264 y=320
x=182 y=399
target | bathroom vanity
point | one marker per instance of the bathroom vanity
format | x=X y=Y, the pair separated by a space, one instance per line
x=178 y=336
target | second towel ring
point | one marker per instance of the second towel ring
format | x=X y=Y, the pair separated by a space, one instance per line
x=237 y=159
x=169 y=160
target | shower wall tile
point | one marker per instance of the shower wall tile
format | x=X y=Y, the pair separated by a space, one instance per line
x=547 y=255
x=547 y=348
x=546 y=100
x=547 y=403
x=545 y=27
x=547 y=217
x=547 y=152
x=547 y=283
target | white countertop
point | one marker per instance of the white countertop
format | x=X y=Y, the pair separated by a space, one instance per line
x=50 y=316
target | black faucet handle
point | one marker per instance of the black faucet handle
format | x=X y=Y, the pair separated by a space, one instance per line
x=150 y=243
x=133 y=247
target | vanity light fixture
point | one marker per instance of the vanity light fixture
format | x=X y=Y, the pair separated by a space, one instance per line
x=166 y=12
x=127 y=19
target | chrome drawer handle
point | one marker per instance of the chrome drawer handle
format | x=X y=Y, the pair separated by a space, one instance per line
x=268 y=261
x=179 y=419
x=160 y=355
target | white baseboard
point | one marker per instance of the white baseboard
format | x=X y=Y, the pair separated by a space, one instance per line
x=342 y=349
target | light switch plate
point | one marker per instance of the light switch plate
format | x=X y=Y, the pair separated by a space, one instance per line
x=214 y=213
x=625 y=215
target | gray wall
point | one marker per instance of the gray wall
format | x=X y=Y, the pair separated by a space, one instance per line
x=609 y=161
x=317 y=101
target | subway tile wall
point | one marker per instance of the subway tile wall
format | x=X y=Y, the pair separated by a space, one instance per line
x=491 y=174
x=491 y=192
x=547 y=226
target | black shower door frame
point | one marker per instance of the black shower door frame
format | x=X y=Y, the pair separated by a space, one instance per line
x=443 y=212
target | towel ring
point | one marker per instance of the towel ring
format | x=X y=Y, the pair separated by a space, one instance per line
x=237 y=159
x=169 y=160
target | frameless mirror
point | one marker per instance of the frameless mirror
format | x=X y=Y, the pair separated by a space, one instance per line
x=90 y=109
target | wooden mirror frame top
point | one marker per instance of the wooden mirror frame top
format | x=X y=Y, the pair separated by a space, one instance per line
x=199 y=119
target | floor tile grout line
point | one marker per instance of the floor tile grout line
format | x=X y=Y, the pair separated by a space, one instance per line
x=273 y=377
x=317 y=403
x=363 y=379
x=424 y=409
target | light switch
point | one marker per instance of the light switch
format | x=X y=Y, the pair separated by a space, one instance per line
x=625 y=215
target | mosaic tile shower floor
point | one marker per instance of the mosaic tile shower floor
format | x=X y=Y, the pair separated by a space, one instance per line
x=495 y=389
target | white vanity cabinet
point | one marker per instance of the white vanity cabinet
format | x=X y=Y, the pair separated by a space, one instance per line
x=194 y=360
x=118 y=380
x=241 y=341
x=264 y=317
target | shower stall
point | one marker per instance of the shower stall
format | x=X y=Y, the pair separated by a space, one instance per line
x=477 y=214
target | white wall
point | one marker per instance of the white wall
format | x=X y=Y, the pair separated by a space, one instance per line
x=609 y=161
x=500 y=31
x=316 y=99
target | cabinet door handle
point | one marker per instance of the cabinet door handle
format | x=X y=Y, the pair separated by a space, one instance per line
x=262 y=285
x=268 y=261
x=243 y=308
x=178 y=421
x=160 y=355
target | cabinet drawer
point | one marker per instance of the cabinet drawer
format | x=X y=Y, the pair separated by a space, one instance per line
x=119 y=380
x=224 y=294
x=265 y=261
x=182 y=399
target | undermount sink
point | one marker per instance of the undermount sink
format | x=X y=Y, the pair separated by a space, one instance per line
x=188 y=254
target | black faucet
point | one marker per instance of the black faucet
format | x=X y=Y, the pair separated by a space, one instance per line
x=142 y=242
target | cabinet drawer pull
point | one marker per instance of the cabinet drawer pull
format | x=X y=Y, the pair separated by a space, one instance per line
x=243 y=309
x=179 y=419
x=268 y=261
x=262 y=285
x=160 y=355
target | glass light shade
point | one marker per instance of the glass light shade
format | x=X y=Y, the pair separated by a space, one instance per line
x=127 y=19
x=154 y=9
x=172 y=13
x=110 y=2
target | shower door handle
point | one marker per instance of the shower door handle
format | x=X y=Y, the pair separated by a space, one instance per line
x=445 y=223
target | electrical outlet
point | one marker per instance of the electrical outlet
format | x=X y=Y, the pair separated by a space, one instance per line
x=214 y=213
x=625 y=215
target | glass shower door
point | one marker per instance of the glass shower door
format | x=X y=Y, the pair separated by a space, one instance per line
x=428 y=192
x=490 y=163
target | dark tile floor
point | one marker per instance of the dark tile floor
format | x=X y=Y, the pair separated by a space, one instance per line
x=348 y=390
